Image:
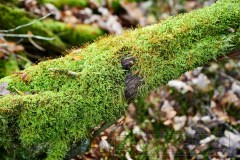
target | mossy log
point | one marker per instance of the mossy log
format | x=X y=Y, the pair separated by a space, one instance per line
x=71 y=3
x=58 y=102
x=65 y=35
x=8 y=66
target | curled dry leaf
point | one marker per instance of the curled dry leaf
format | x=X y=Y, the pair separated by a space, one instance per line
x=104 y=145
x=168 y=112
x=136 y=130
x=230 y=98
x=180 y=86
x=139 y=132
x=202 y=82
x=219 y=112
x=139 y=148
x=128 y=157
x=179 y=122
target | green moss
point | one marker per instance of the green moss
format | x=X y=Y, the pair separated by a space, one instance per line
x=8 y=66
x=74 y=34
x=184 y=42
x=65 y=35
x=78 y=104
x=72 y=3
x=65 y=98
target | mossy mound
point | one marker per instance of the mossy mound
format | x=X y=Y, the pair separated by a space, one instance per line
x=60 y=101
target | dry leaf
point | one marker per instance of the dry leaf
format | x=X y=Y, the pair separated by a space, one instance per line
x=3 y=89
x=180 y=86
x=230 y=98
x=179 y=122
x=202 y=82
x=127 y=155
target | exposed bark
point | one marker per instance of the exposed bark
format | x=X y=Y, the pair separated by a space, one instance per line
x=132 y=82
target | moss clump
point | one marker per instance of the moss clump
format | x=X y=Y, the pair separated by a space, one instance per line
x=62 y=100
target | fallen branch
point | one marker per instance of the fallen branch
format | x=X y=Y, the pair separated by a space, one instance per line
x=26 y=36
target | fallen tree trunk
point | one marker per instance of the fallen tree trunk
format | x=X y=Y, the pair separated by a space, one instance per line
x=58 y=103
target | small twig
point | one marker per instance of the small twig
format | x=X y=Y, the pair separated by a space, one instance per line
x=229 y=77
x=19 y=92
x=25 y=25
x=19 y=41
x=23 y=58
x=35 y=44
x=64 y=71
x=26 y=36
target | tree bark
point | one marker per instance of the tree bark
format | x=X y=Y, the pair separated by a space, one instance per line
x=57 y=103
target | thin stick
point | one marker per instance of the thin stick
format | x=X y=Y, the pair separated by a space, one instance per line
x=25 y=25
x=26 y=36
x=35 y=44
